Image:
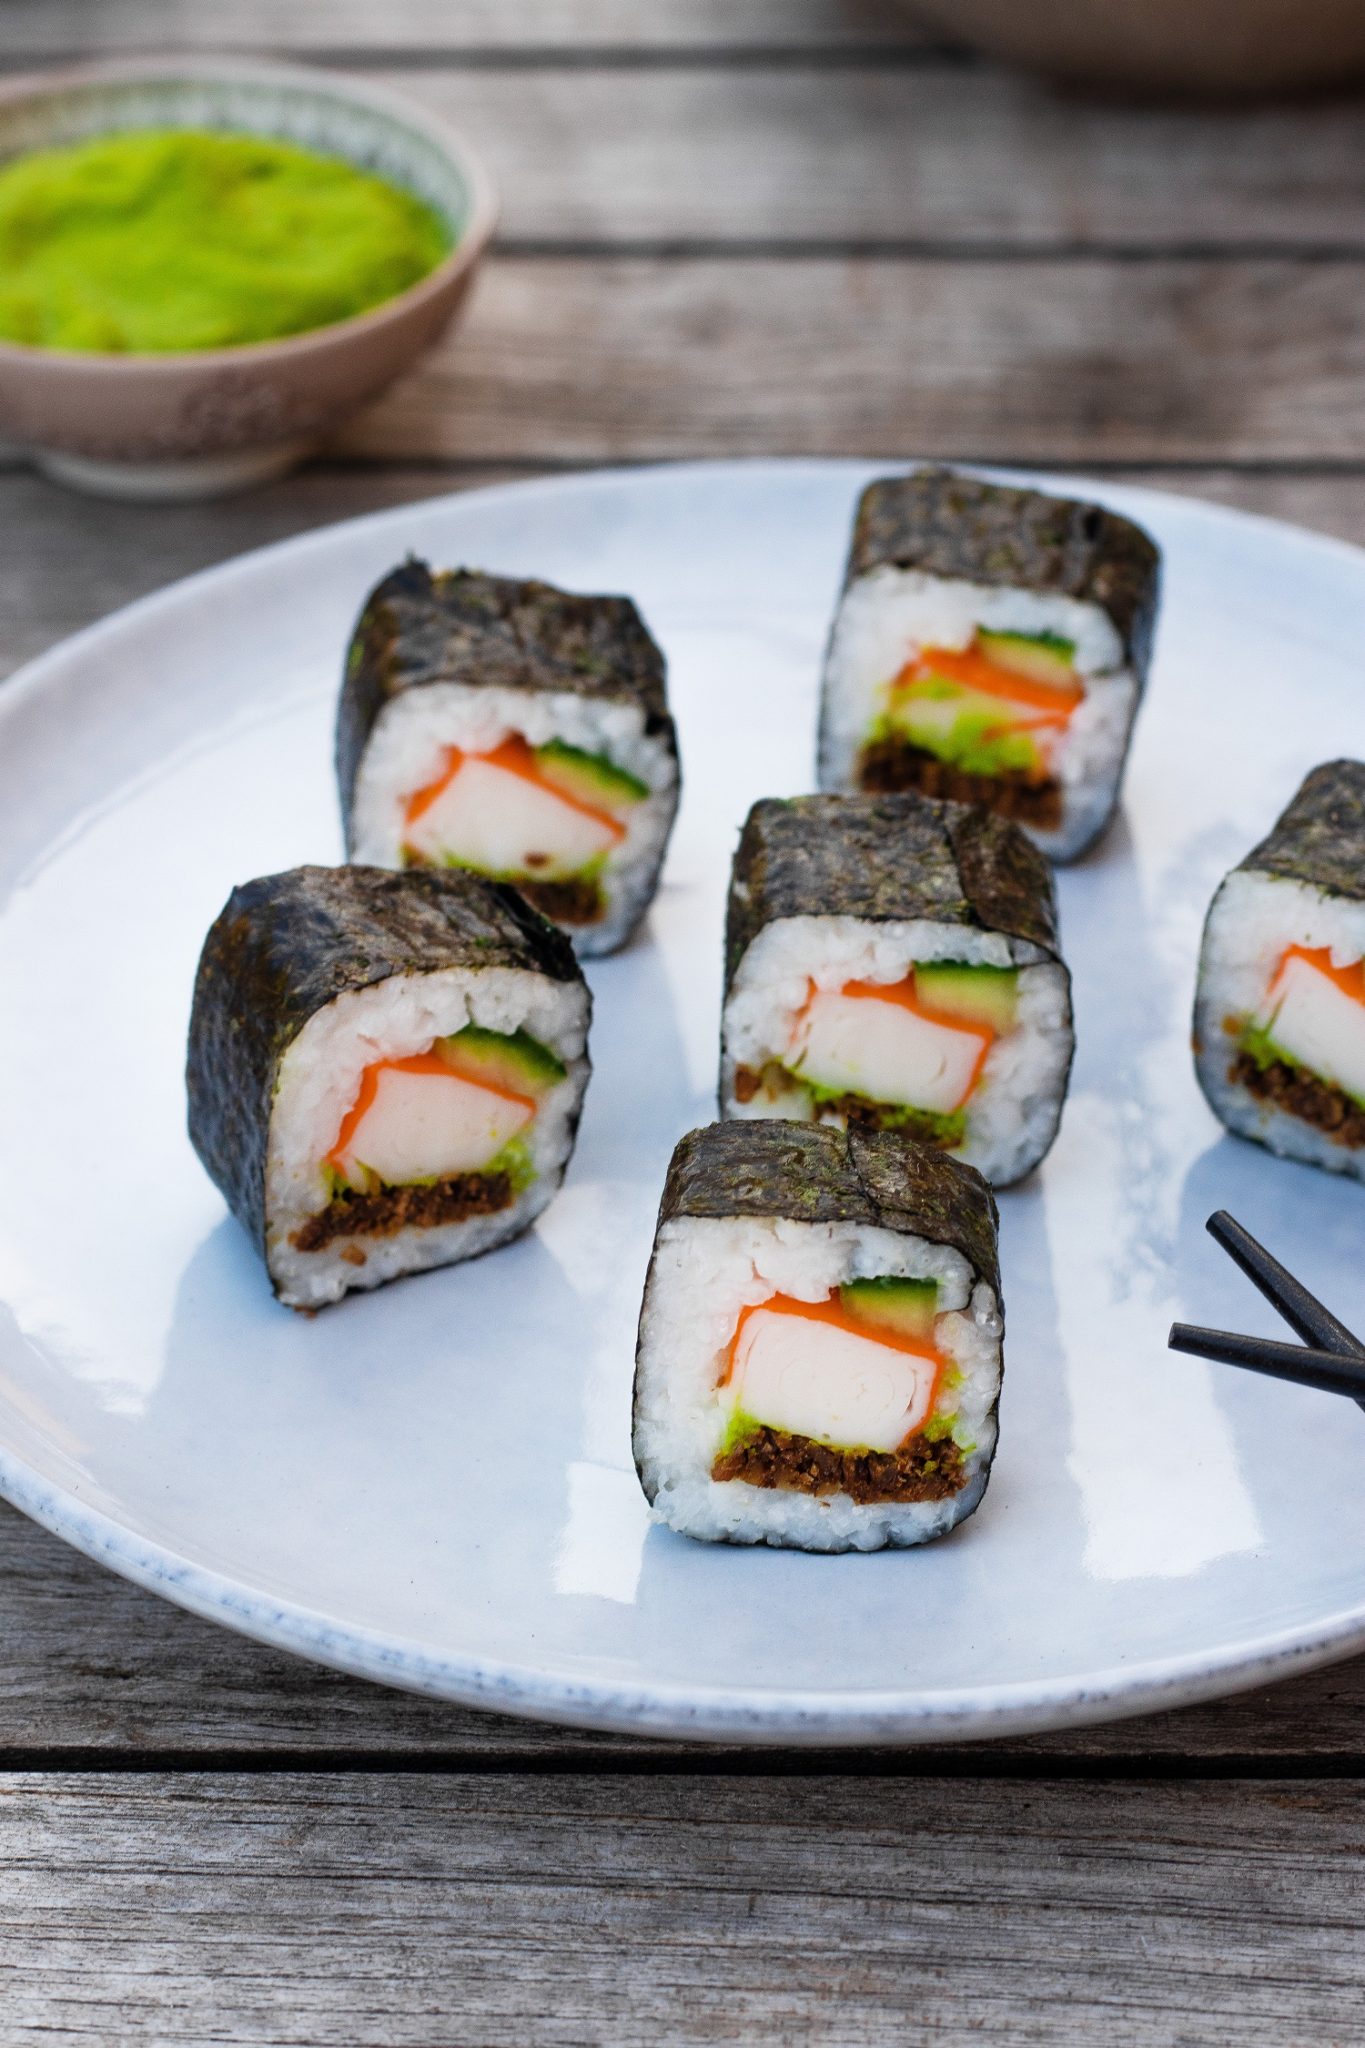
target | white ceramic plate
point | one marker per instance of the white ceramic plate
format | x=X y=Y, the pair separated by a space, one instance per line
x=432 y=1485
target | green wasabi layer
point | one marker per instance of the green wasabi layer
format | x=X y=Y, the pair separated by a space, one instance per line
x=940 y=1426
x=590 y=777
x=165 y=241
x=516 y=1161
x=738 y=1429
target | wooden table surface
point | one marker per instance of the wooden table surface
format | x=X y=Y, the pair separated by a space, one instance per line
x=730 y=226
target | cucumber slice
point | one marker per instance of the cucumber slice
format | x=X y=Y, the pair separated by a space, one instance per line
x=511 y=1060
x=901 y=1308
x=978 y=995
x=592 y=778
x=963 y=727
x=1041 y=657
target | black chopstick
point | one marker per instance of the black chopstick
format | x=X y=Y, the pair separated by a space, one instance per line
x=1303 y=1312
x=1308 y=1367
x=1332 y=1358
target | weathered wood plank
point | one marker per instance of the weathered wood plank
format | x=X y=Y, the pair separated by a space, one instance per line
x=43 y=28
x=585 y=359
x=123 y=556
x=67 y=560
x=955 y=155
x=92 y=1666
x=815 y=154
x=393 y=1910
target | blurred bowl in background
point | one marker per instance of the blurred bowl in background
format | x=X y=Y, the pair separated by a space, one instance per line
x=198 y=423
x=1215 y=47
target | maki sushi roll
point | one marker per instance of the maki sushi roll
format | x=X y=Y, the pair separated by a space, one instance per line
x=515 y=730
x=892 y=962
x=1279 y=1020
x=820 y=1342
x=385 y=1070
x=991 y=645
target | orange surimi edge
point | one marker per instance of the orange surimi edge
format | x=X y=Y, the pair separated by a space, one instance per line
x=829 y=1311
x=1350 y=980
x=416 y=1063
x=903 y=993
x=976 y=671
x=514 y=757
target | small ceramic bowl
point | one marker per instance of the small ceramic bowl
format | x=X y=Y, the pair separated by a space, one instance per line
x=194 y=424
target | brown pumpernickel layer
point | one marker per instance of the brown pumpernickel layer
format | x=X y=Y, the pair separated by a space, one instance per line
x=890 y=765
x=453 y=1200
x=574 y=901
x=919 y=1470
x=1303 y=1095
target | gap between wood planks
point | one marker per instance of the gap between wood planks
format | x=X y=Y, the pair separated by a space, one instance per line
x=926 y=56
x=964 y=1763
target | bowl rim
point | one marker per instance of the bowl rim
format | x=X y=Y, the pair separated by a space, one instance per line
x=247 y=71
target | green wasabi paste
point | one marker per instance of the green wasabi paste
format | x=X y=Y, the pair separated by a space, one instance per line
x=170 y=240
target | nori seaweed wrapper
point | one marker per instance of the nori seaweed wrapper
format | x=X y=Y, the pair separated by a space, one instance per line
x=459 y=625
x=953 y=525
x=1320 y=836
x=887 y=857
x=815 y=1173
x=287 y=945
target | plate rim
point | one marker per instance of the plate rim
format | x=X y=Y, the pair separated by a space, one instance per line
x=749 y=1716
x=823 y=1718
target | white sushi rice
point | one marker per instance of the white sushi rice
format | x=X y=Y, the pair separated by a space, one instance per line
x=319 y=1080
x=1251 y=921
x=704 y=1272
x=405 y=752
x=885 y=616
x=1012 y=1114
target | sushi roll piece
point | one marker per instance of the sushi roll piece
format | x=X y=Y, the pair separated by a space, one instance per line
x=991 y=645
x=1279 y=1019
x=515 y=730
x=820 y=1341
x=385 y=1070
x=893 y=962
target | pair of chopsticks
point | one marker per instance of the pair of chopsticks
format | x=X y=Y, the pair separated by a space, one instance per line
x=1330 y=1356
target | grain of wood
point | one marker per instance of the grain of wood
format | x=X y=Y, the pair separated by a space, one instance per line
x=43 y=28
x=515 y=1895
x=587 y=359
x=367 y=1909
x=876 y=154
x=94 y=1666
